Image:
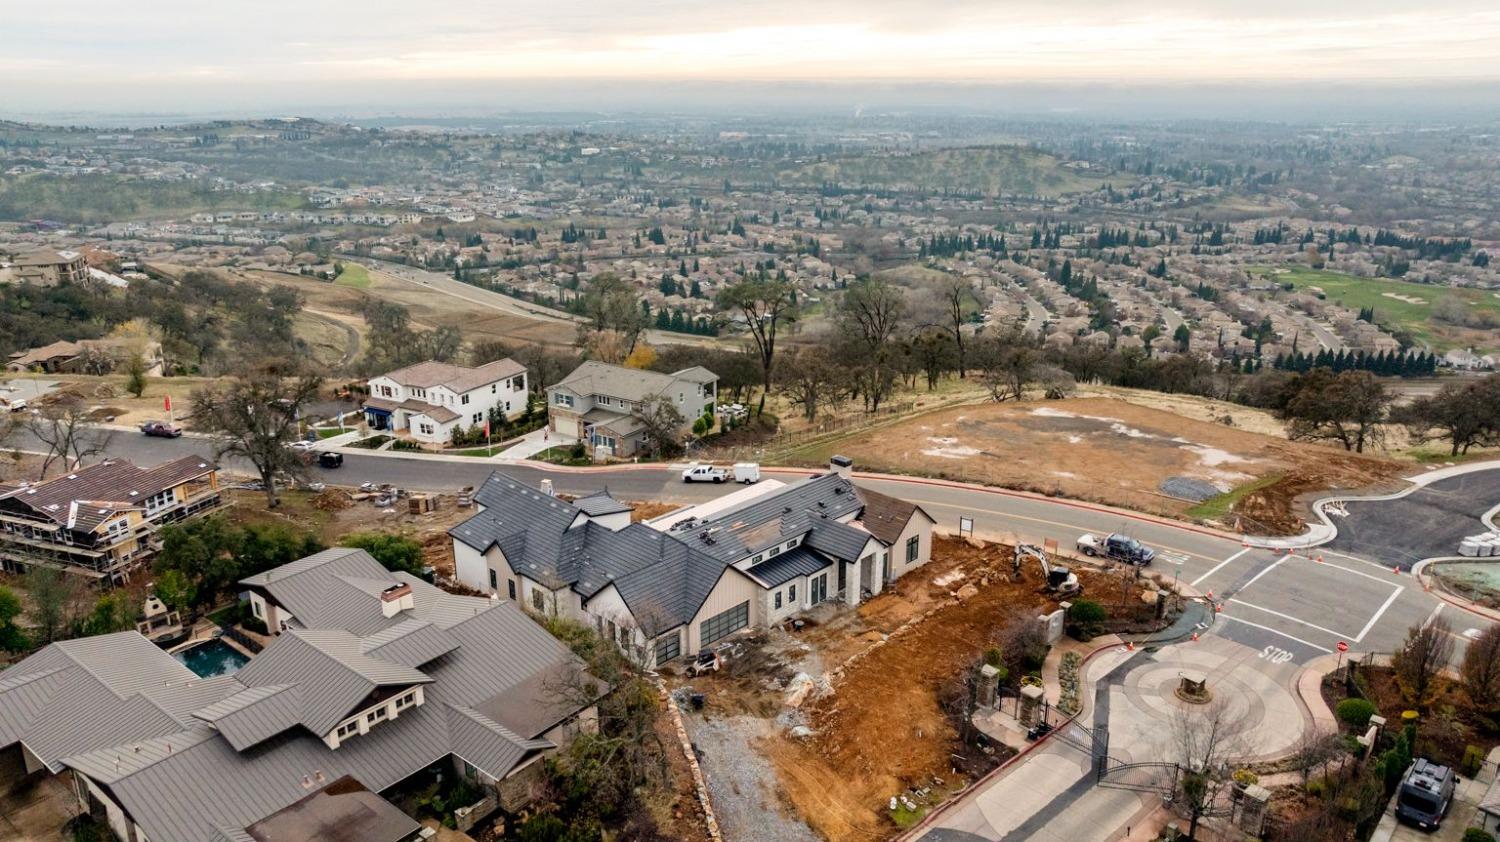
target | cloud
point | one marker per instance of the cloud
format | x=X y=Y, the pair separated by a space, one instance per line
x=82 y=43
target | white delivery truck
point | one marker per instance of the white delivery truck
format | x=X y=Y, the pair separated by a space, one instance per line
x=747 y=472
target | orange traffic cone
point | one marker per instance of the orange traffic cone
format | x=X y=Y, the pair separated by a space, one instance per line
x=1129 y=647
x=1396 y=570
x=1210 y=595
x=1195 y=636
x=1320 y=559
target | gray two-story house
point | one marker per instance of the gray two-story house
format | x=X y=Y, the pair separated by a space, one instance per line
x=599 y=404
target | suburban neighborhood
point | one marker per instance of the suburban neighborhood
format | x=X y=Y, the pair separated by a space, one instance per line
x=682 y=422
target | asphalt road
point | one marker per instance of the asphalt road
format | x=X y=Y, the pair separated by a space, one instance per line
x=1427 y=523
x=1268 y=598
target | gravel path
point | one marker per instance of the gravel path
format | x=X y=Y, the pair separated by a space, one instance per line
x=741 y=782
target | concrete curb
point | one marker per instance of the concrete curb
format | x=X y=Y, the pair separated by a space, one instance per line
x=1325 y=531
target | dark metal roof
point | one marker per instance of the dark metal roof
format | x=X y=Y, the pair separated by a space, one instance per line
x=798 y=561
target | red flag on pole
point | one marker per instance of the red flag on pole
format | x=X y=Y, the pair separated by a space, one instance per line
x=166 y=403
x=486 y=428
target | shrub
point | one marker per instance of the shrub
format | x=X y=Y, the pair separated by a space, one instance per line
x=698 y=427
x=1355 y=713
x=1317 y=787
x=1473 y=761
x=994 y=657
x=1475 y=834
x=1086 y=612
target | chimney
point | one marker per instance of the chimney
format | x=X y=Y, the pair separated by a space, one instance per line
x=842 y=465
x=395 y=599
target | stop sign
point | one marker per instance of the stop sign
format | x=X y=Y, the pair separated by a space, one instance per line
x=1343 y=647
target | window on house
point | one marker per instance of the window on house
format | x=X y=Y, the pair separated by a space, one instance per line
x=464 y=399
x=494 y=581
x=258 y=608
x=791 y=543
x=477 y=417
x=668 y=647
x=511 y=583
x=757 y=559
x=774 y=551
x=913 y=546
x=791 y=594
x=494 y=387
x=612 y=634
x=538 y=601
x=561 y=399
x=724 y=623
x=778 y=599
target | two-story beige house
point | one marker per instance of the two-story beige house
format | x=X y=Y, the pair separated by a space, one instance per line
x=599 y=404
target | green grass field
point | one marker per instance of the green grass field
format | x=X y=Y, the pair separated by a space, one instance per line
x=354 y=275
x=1398 y=304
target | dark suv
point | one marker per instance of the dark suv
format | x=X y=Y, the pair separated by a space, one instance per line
x=1425 y=794
x=162 y=429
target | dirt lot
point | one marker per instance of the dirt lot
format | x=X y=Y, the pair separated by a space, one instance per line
x=878 y=726
x=1112 y=451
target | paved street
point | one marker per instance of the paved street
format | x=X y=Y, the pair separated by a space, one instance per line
x=1428 y=522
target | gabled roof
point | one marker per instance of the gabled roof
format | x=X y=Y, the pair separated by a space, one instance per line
x=340 y=588
x=460 y=379
x=886 y=516
x=233 y=750
x=79 y=695
x=335 y=676
x=798 y=561
x=600 y=503
x=86 y=497
x=632 y=384
x=664 y=577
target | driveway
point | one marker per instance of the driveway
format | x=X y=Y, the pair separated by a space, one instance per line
x=1053 y=794
x=533 y=443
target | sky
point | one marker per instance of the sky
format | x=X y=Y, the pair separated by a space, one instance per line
x=148 y=54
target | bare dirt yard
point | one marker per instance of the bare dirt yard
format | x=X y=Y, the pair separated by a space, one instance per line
x=1114 y=451
x=876 y=678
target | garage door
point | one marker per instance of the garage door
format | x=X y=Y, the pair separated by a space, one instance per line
x=720 y=625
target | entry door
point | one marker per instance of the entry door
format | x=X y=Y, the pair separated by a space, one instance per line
x=817 y=590
x=867 y=573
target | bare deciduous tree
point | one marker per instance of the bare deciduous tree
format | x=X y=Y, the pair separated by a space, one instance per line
x=661 y=424
x=1206 y=740
x=255 y=417
x=1425 y=654
x=64 y=430
x=764 y=304
x=1481 y=669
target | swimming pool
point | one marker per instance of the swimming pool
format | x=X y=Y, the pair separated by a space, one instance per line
x=212 y=658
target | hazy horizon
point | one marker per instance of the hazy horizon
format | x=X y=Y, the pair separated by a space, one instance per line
x=344 y=58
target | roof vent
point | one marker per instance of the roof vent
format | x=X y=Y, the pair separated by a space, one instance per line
x=72 y=476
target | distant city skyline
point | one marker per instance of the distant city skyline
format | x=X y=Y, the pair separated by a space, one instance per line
x=99 y=56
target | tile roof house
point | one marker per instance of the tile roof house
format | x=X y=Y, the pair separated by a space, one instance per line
x=431 y=399
x=599 y=403
x=101 y=521
x=671 y=588
x=410 y=676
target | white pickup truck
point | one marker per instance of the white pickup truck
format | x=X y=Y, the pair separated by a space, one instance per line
x=704 y=473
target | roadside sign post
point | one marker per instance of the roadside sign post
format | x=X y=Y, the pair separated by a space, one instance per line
x=965 y=527
x=1342 y=647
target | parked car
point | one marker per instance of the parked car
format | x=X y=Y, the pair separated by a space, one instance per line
x=1425 y=794
x=1118 y=547
x=747 y=472
x=329 y=459
x=161 y=429
x=705 y=473
x=12 y=404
